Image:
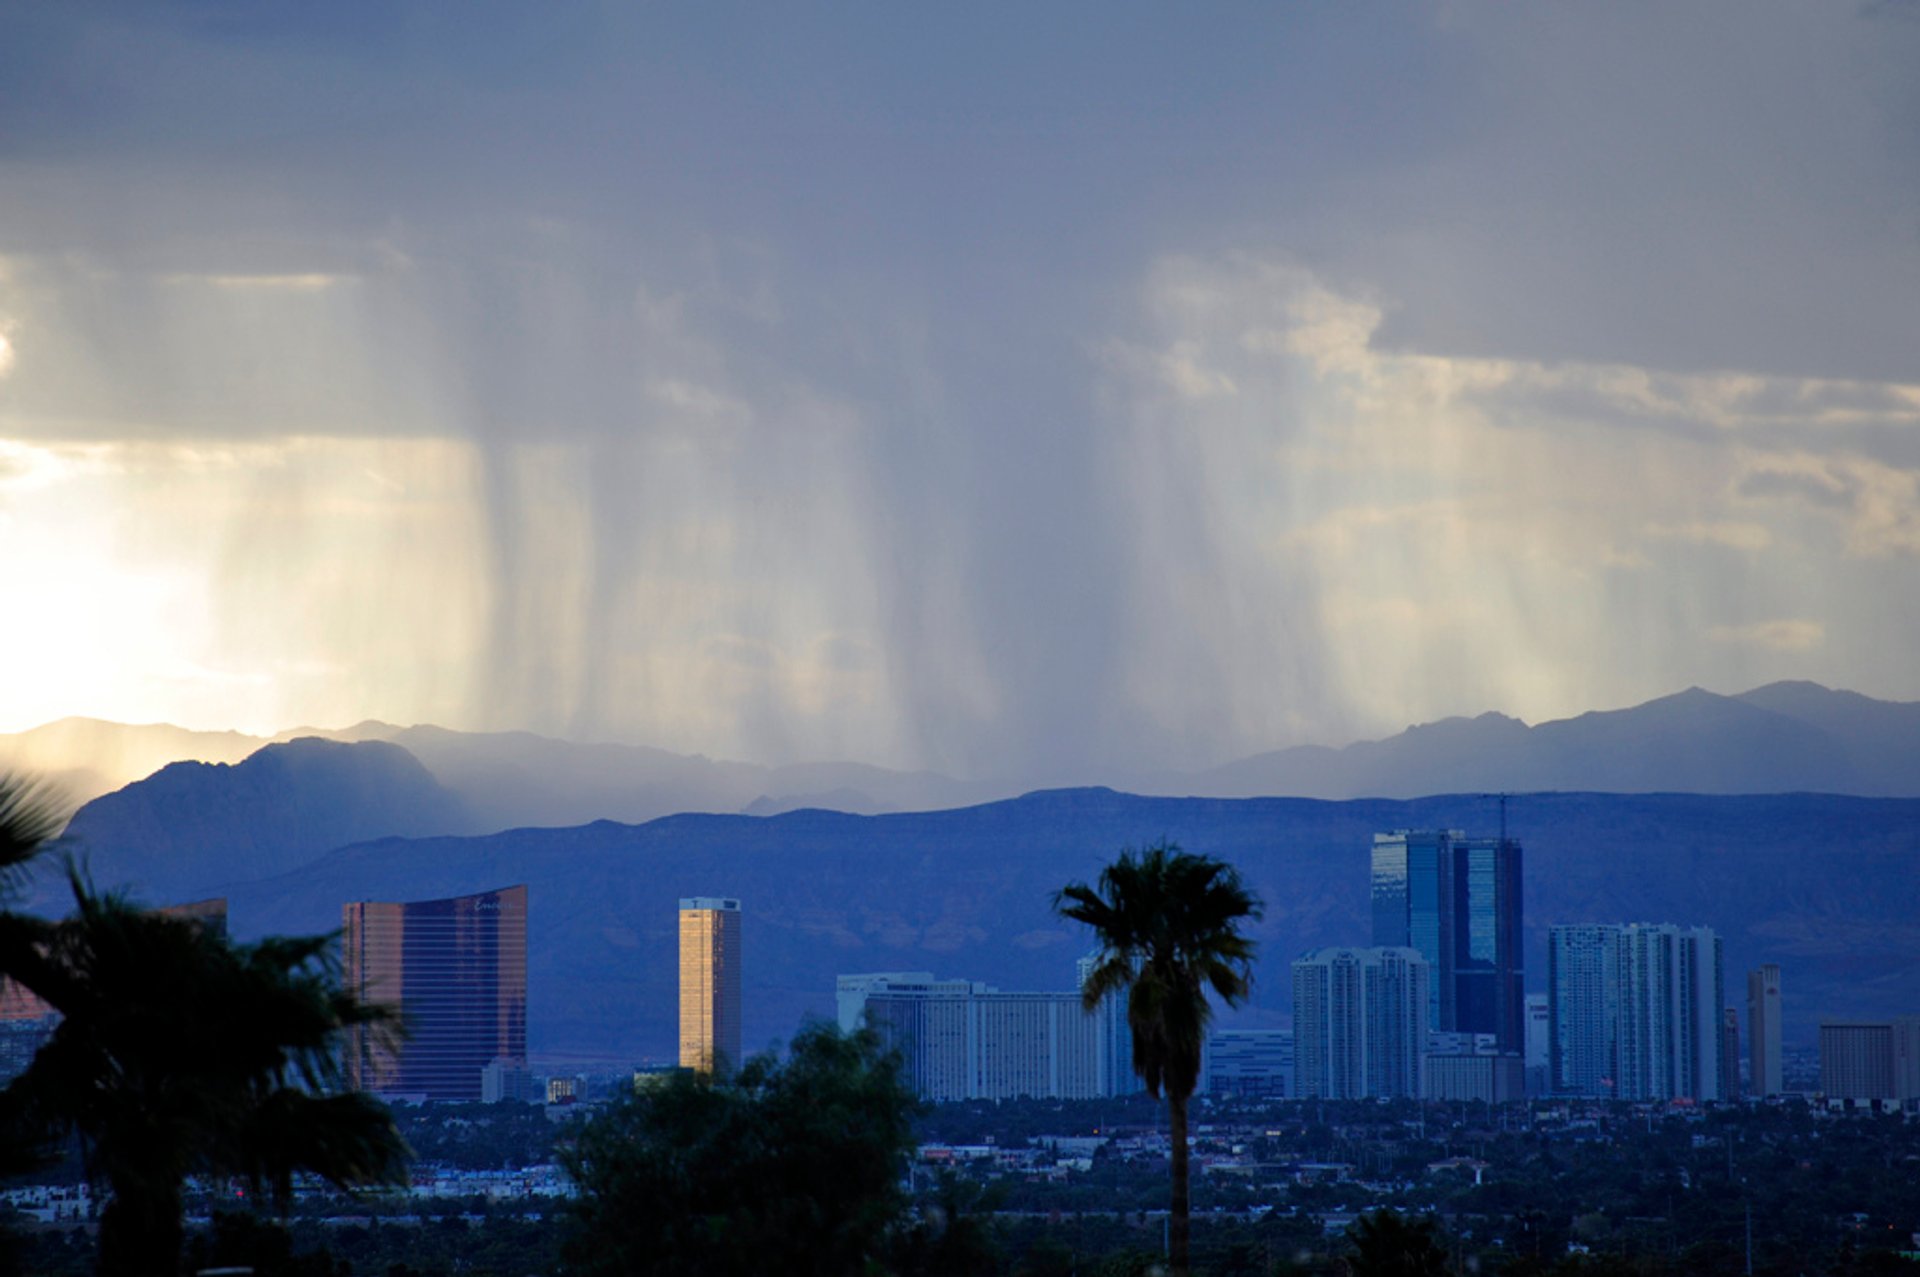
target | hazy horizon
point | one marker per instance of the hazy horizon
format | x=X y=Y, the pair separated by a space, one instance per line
x=990 y=391
x=1092 y=776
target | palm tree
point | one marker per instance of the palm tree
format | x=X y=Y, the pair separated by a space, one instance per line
x=179 y=1053
x=29 y=819
x=1168 y=926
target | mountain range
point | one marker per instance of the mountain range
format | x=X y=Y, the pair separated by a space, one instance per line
x=1784 y=737
x=1827 y=886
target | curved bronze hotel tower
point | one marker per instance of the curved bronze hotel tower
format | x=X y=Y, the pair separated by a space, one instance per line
x=456 y=970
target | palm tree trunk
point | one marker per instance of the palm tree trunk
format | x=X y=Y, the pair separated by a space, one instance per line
x=1178 y=1220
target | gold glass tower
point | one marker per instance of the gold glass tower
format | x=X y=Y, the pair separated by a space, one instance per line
x=709 y=983
x=456 y=971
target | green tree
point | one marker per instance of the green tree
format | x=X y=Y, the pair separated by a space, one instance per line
x=1388 y=1244
x=951 y=1232
x=792 y=1166
x=181 y=1053
x=1167 y=923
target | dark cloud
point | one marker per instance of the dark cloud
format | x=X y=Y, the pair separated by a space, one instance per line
x=770 y=329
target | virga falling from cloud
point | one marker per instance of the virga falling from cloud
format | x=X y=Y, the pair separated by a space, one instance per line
x=906 y=396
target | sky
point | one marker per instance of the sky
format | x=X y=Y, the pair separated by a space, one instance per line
x=1016 y=391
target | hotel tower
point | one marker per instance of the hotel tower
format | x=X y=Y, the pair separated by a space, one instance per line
x=709 y=983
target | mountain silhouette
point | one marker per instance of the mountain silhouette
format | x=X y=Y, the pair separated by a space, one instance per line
x=193 y=826
x=1782 y=738
x=1828 y=886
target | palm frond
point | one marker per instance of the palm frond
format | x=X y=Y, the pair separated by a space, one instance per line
x=31 y=816
x=1166 y=926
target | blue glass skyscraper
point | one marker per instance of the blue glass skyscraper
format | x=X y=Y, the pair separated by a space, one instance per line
x=1457 y=900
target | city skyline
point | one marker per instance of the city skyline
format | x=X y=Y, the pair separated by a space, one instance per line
x=1383 y=541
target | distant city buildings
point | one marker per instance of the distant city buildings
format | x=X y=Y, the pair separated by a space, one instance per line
x=504 y=1080
x=1635 y=1011
x=1360 y=1022
x=1457 y=900
x=1115 y=1044
x=1583 y=1000
x=1877 y=1060
x=1763 y=1029
x=1488 y=1077
x=963 y=1040
x=709 y=983
x=1539 y=1051
x=1729 y=1054
x=456 y=972
x=1250 y=1064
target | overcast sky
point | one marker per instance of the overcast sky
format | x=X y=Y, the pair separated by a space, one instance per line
x=1011 y=390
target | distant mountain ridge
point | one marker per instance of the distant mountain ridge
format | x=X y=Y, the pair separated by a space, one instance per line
x=1827 y=886
x=1782 y=738
x=191 y=825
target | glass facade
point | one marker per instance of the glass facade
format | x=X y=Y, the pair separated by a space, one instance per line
x=1457 y=900
x=456 y=971
x=1636 y=1011
x=1360 y=1023
x=709 y=983
x=1583 y=1000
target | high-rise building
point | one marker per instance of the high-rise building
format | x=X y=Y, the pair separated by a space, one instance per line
x=1360 y=1022
x=1763 y=1029
x=962 y=1040
x=1729 y=1054
x=1539 y=1044
x=1635 y=1011
x=1250 y=1064
x=709 y=983
x=1670 y=1013
x=1117 y=1076
x=1870 y=1059
x=1583 y=1008
x=456 y=972
x=1457 y=900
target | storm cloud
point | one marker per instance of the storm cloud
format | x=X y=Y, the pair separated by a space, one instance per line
x=1043 y=395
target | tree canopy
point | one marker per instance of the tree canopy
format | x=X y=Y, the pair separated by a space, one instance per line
x=793 y=1165
x=181 y=1053
x=1167 y=924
